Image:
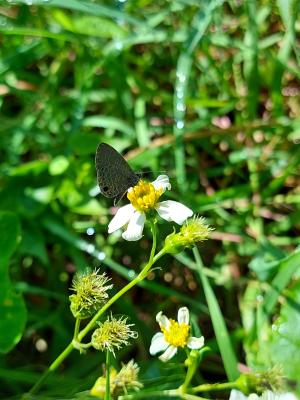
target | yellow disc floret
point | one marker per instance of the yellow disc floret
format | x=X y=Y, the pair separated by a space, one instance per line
x=176 y=334
x=144 y=196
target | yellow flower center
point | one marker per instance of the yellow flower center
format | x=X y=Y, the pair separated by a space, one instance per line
x=144 y=196
x=177 y=334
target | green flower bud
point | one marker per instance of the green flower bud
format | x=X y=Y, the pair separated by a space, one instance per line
x=259 y=382
x=91 y=293
x=112 y=334
x=194 y=230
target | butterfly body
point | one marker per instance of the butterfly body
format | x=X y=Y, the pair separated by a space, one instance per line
x=114 y=175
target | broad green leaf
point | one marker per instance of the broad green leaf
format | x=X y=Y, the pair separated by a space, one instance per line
x=285 y=336
x=13 y=318
x=12 y=306
x=10 y=235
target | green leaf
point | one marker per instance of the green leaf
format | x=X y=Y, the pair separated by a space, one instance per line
x=58 y=165
x=10 y=235
x=13 y=318
x=86 y=7
x=12 y=307
x=84 y=143
x=102 y=121
x=90 y=25
x=286 y=269
x=285 y=339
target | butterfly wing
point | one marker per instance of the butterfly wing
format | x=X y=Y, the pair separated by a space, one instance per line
x=114 y=175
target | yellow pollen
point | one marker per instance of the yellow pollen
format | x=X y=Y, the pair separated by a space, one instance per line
x=144 y=196
x=177 y=334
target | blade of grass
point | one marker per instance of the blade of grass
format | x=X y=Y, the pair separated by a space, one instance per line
x=222 y=335
x=199 y=25
x=289 y=10
x=141 y=128
x=102 y=121
x=250 y=59
x=89 y=8
x=25 y=31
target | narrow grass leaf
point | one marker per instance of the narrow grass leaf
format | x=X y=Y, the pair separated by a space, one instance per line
x=198 y=27
x=221 y=332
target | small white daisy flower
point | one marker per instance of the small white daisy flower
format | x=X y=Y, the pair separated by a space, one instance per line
x=174 y=334
x=267 y=395
x=143 y=199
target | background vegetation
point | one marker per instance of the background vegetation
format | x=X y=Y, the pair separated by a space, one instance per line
x=205 y=91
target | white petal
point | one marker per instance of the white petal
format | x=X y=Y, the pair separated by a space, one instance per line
x=121 y=218
x=158 y=343
x=173 y=211
x=237 y=395
x=162 y=320
x=287 y=396
x=168 y=354
x=135 y=227
x=183 y=316
x=162 y=182
x=195 y=343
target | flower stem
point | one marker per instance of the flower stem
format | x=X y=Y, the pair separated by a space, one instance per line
x=207 y=387
x=192 y=362
x=80 y=335
x=160 y=393
x=76 y=329
x=64 y=354
x=154 y=235
x=107 y=382
x=151 y=395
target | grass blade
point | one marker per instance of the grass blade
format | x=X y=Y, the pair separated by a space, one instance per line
x=222 y=335
x=199 y=25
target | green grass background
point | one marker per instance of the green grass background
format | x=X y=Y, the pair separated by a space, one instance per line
x=204 y=91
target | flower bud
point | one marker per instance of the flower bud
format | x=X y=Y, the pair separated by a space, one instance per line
x=99 y=388
x=194 y=230
x=259 y=382
x=120 y=382
x=91 y=293
x=113 y=333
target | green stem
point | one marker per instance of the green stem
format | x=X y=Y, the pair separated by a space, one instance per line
x=107 y=382
x=145 y=395
x=125 y=289
x=52 y=368
x=192 y=362
x=76 y=329
x=160 y=393
x=154 y=235
x=80 y=335
x=207 y=387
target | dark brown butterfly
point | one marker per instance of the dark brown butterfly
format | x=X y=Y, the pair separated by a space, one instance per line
x=114 y=175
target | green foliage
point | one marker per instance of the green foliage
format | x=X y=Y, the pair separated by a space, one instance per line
x=12 y=306
x=284 y=339
x=207 y=92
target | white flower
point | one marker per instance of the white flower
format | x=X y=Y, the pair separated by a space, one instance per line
x=143 y=199
x=267 y=395
x=173 y=335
